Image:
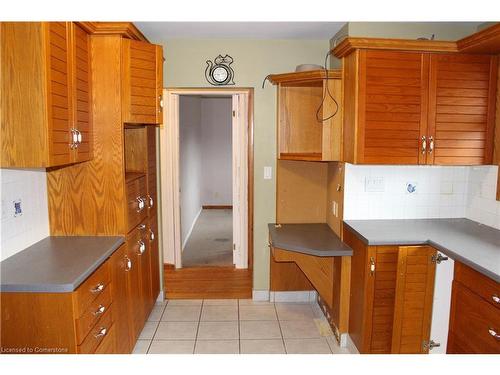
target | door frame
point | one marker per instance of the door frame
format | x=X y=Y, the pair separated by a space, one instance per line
x=169 y=164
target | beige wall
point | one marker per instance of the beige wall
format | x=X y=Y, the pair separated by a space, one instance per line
x=253 y=60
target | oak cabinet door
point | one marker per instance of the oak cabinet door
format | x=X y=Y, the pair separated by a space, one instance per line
x=142 y=82
x=392 y=107
x=461 y=109
x=59 y=100
x=82 y=116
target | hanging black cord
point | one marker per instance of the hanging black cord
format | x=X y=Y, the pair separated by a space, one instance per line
x=265 y=79
x=326 y=92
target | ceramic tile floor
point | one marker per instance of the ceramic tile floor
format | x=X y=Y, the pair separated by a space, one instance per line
x=236 y=326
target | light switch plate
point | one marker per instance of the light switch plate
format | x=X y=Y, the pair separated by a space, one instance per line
x=374 y=184
x=268 y=173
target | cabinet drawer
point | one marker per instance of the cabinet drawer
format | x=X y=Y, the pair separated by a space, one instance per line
x=91 y=316
x=478 y=283
x=473 y=321
x=97 y=334
x=91 y=289
x=137 y=202
x=108 y=344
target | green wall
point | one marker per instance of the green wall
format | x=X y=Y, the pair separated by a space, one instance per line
x=253 y=60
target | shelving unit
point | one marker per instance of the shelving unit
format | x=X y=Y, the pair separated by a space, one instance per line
x=300 y=98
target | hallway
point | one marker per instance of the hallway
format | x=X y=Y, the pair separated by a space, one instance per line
x=211 y=240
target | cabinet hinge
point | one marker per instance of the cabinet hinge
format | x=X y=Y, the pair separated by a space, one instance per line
x=372 y=266
x=429 y=345
x=438 y=258
x=234 y=113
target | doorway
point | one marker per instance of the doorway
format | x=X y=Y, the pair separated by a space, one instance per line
x=207 y=192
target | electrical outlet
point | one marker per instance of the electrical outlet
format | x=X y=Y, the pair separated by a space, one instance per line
x=374 y=184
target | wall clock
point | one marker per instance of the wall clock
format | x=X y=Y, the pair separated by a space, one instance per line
x=219 y=72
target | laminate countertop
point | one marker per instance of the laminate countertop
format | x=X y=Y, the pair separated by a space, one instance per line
x=467 y=241
x=56 y=264
x=311 y=239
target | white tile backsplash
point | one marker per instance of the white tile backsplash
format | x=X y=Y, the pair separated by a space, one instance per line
x=482 y=205
x=21 y=231
x=439 y=192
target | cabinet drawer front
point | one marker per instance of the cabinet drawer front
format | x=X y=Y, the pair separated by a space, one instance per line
x=92 y=315
x=98 y=333
x=91 y=289
x=108 y=344
x=136 y=212
x=478 y=283
x=473 y=321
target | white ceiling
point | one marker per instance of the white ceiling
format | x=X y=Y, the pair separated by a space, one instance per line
x=156 y=31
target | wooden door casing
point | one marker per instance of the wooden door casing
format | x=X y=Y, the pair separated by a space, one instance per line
x=462 y=96
x=392 y=106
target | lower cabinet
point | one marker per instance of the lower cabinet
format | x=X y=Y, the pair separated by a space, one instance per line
x=475 y=313
x=392 y=290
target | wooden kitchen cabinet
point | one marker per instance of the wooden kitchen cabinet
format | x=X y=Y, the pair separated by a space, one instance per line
x=46 y=115
x=475 y=313
x=392 y=291
x=417 y=105
x=142 y=82
x=300 y=103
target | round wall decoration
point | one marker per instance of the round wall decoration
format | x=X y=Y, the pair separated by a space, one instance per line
x=219 y=72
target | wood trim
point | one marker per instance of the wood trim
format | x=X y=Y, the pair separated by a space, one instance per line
x=350 y=44
x=124 y=29
x=491 y=119
x=301 y=77
x=217 y=207
x=484 y=41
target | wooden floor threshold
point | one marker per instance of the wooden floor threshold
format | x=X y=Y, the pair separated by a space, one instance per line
x=207 y=282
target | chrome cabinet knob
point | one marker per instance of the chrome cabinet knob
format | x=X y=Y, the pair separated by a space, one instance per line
x=495 y=298
x=98 y=288
x=140 y=204
x=141 y=226
x=431 y=144
x=494 y=333
x=424 y=144
x=151 y=235
x=102 y=332
x=151 y=202
x=142 y=247
x=128 y=264
x=100 y=310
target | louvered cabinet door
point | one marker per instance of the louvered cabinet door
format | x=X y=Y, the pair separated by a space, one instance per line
x=413 y=299
x=392 y=107
x=82 y=117
x=380 y=309
x=462 y=108
x=59 y=92
x=140 y=82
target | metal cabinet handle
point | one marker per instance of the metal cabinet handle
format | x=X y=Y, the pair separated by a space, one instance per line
x=140 y=204
x=151 y=235
x=431 y=144
x=102 y=332
x=98 y=288
x=141 y=226
x=372 y=266
x=424 y=144
x=99 y=310
x=128 y=264
x=74 y=139
x=160 y=99
x=494 y=333
x=495 y=298
x=142 y=247
x=151 y=202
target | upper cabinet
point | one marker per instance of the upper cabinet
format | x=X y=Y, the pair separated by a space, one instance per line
x=309 y=115
x=46 y=117
x=426 y=106
x=142 y=82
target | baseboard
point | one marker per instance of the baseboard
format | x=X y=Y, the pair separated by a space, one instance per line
x=217 y=207
x=307 y=296
x=260 y=295
x=161 y=296
x=191 y=229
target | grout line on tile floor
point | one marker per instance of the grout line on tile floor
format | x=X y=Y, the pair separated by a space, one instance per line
x=281 y=331
x=198 y=327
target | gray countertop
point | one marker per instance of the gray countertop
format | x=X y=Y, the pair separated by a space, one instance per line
x=56 y=264
x=467 y=241
x=311 y=239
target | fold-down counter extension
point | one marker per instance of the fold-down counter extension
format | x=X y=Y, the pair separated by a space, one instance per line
x=323 y=258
